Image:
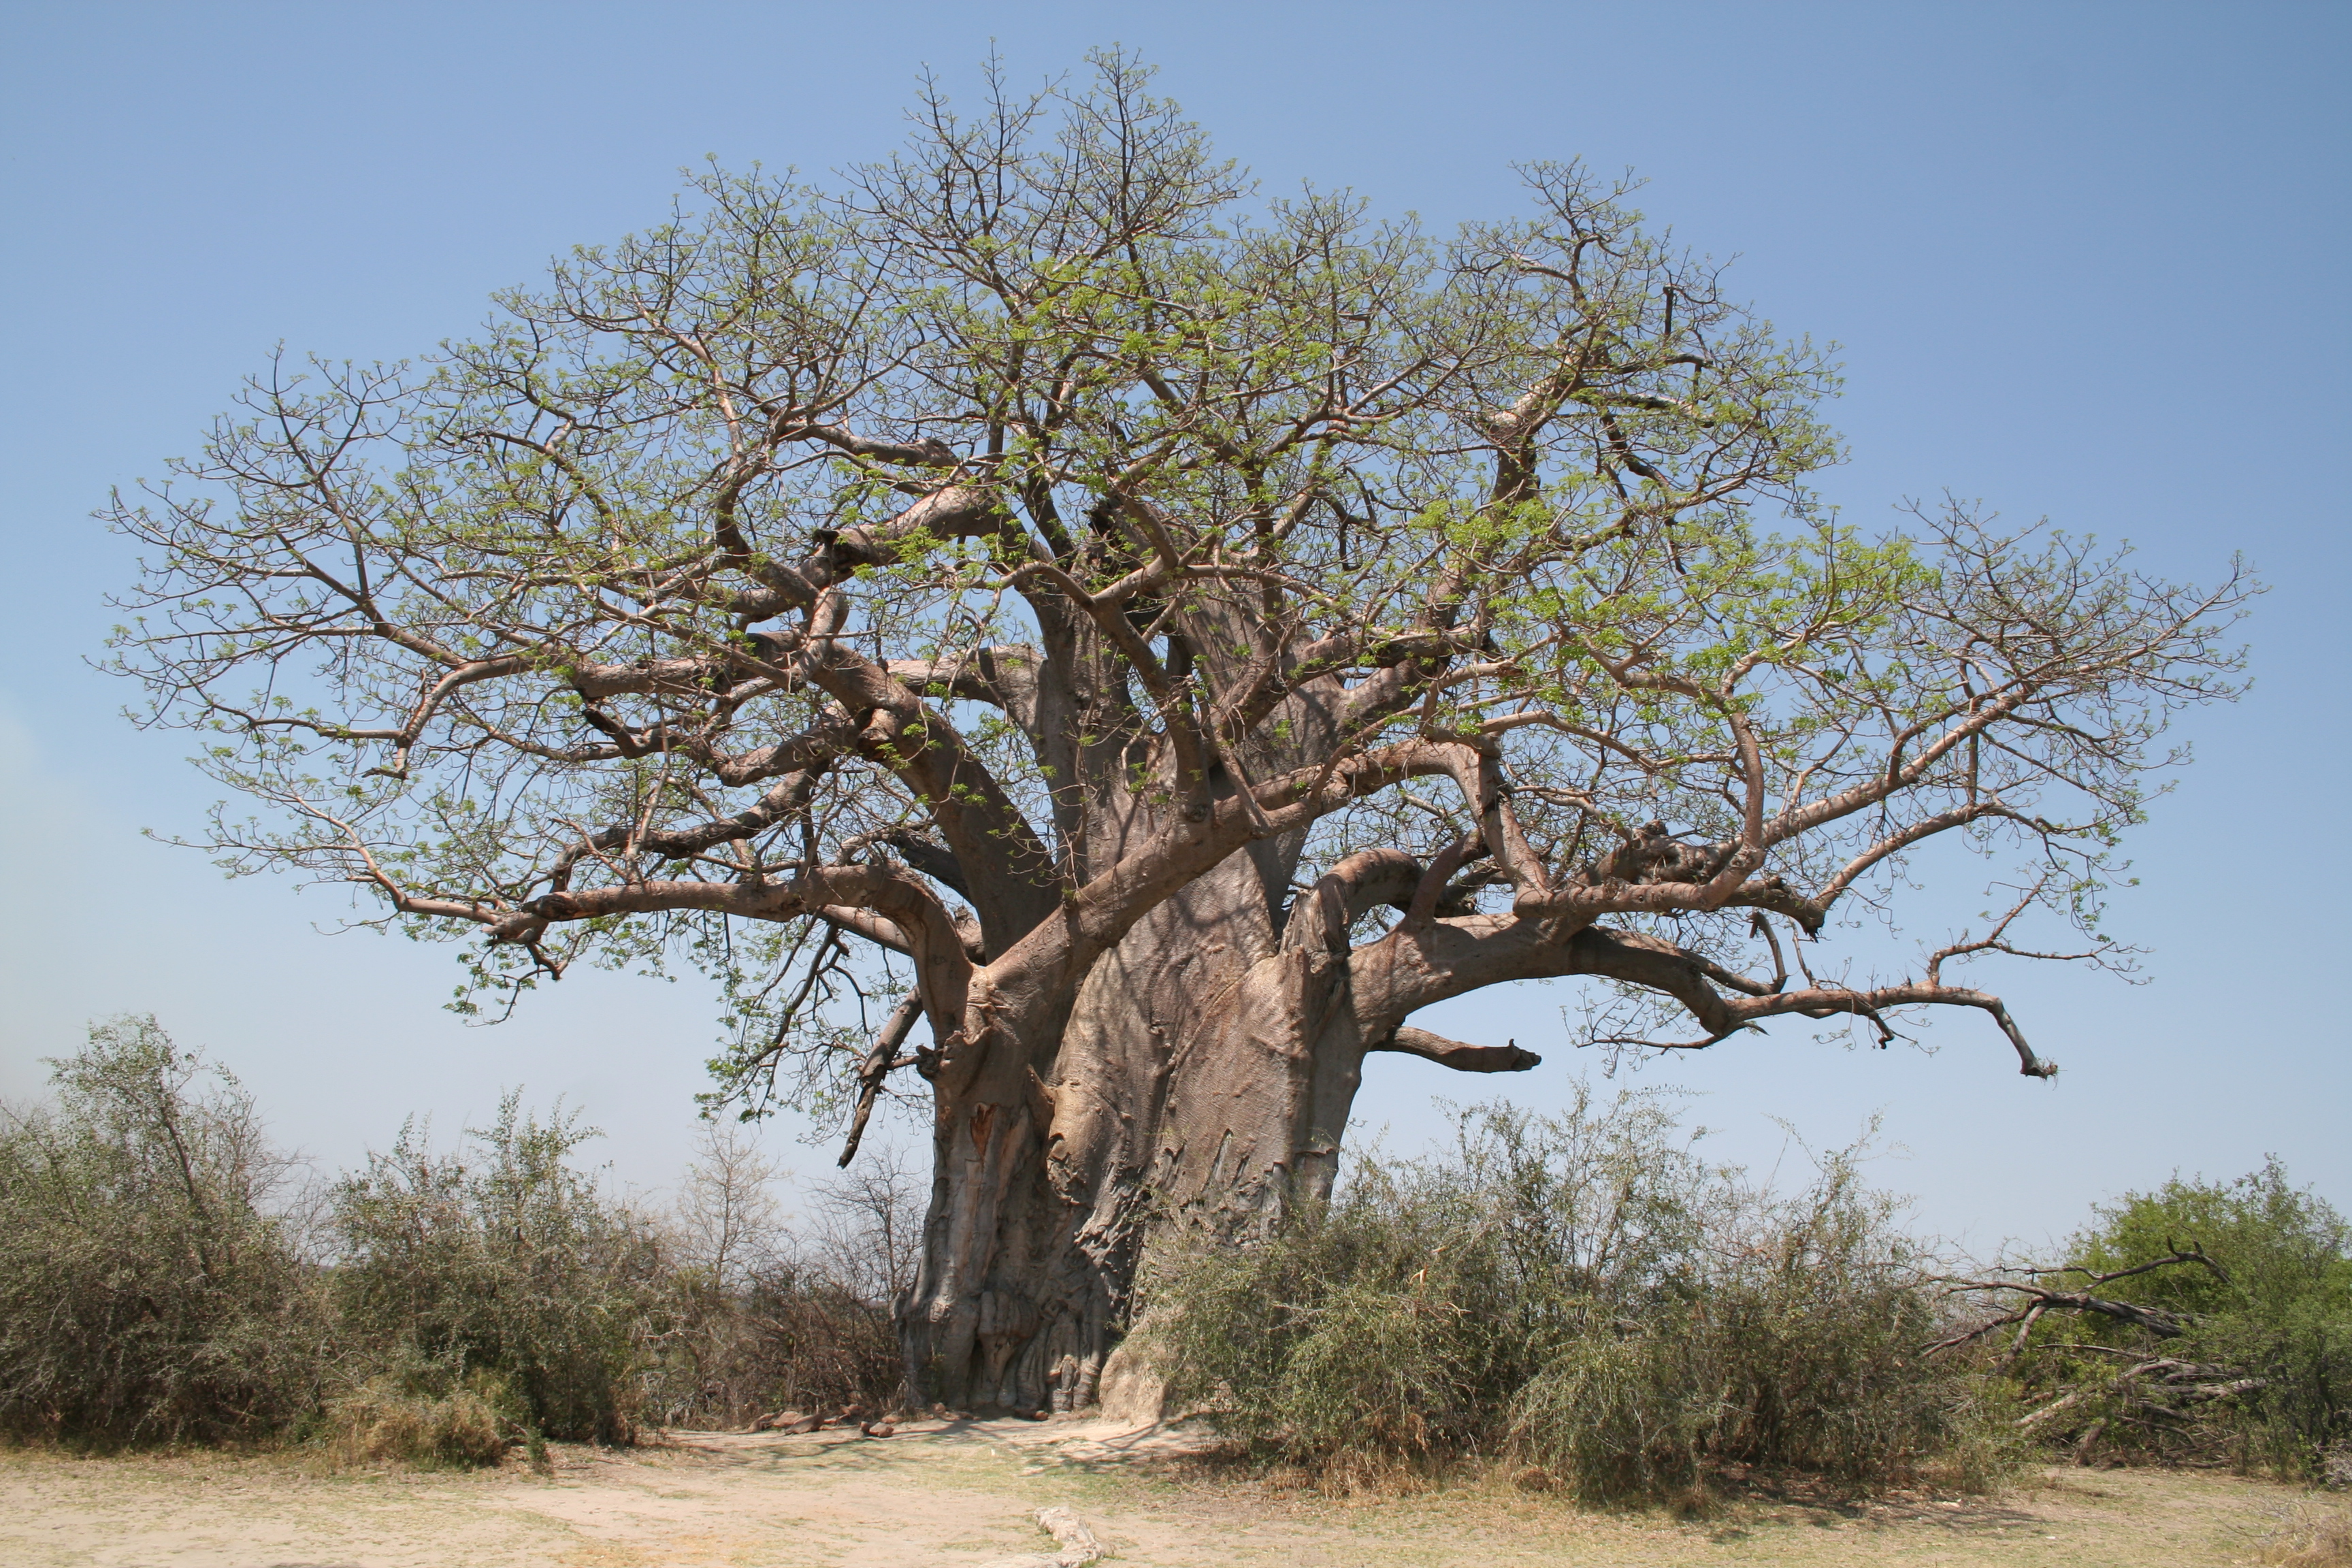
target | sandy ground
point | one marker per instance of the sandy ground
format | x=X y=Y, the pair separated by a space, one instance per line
x=966 y=1495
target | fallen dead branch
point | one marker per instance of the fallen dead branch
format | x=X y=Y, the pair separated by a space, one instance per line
x=2147 y=1387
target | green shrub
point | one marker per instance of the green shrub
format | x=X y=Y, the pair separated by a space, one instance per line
x=510 y=1261
x=147 y=1294
x=1582 y=1295
x=2276 y=1312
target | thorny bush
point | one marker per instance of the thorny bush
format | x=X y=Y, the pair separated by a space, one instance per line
x=149 y=1292
x=512 y=1260
x=164 y=1279
x=1584 y=1296
x=766 y=1316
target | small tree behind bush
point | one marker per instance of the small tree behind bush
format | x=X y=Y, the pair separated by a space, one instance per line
x=1582 y=1295
x=823 y=1309
x=770 y=1316
x=147 y=1291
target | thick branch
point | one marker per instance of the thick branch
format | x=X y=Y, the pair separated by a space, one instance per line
x=1320 y=918
x=1008 y=872
x=1455 y=1053
x=943 y=970
x=1004 y=676
x=1415 y=967
x=879 y=1060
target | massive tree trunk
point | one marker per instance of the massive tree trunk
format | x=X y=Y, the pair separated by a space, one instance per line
x=1195 y=1074
x=1202 y=1076
x=1183 y=1082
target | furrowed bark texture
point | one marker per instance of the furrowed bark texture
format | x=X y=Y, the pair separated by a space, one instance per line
x=1204 y=1076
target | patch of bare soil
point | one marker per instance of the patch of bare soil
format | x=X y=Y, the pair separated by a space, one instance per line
x=966 y=1495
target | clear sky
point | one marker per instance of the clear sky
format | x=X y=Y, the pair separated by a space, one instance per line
x=2086 y=260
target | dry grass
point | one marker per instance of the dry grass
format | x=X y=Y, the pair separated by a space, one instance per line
x=382 y=1423
x=969 y=1492
x=2313 y=1535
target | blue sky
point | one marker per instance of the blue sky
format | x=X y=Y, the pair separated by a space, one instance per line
x=2084 y=260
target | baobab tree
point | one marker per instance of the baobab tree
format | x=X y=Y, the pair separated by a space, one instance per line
x=1153 y=638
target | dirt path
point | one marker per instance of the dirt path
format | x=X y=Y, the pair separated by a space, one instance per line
x=964 y=1497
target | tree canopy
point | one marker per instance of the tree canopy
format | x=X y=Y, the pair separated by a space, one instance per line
x=959 y=560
